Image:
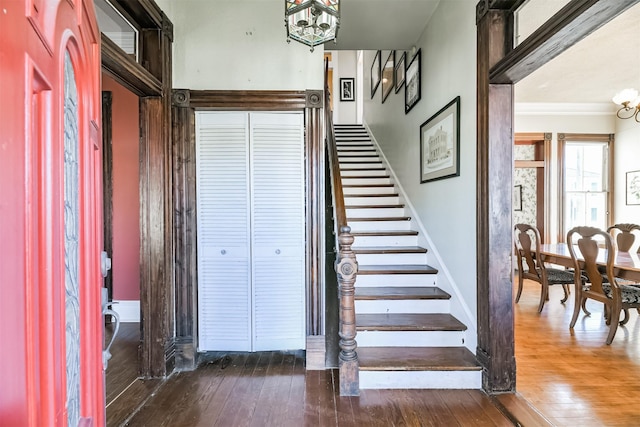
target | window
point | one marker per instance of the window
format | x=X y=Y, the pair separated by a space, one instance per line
x=585 y=181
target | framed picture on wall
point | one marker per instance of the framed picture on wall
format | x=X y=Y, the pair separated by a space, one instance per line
x=517 y=197
x=347 y=89
x=440 y=144
x=633 y=188
x=398 y=71
x=412 y=88
x=387 y=77
x=375 y=73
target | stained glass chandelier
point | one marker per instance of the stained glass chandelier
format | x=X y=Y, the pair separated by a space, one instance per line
x=312 y=22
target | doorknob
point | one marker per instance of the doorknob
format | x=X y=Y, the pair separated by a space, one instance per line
x=105 y=263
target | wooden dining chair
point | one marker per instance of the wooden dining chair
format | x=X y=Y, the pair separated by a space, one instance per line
x=527 y=248
x=625 y=235
x=607 y=290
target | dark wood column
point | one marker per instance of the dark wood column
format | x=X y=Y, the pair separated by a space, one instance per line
x=156 y=219
x=185 y=225
x=494 y=176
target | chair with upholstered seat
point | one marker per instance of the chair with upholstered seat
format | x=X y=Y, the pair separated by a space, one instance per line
x=625 y=235
x=527 y=248
x=607 y=290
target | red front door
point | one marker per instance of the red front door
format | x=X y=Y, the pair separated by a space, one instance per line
x=50 y=215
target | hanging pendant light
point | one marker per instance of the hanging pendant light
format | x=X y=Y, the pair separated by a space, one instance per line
x=312 y=22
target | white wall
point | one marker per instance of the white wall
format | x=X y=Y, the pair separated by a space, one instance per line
x=530 y=118
x=230 y=45
x=344 y=63
x=626 y=158
x=447 y=208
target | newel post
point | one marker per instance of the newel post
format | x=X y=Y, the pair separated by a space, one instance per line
x=346 y=269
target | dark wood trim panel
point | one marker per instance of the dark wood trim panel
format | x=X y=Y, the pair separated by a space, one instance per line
x=185 y=227
x=144 y=13
x=495 y=350
x=107 y=185
x=609 y=138
x=185 y=103
x=126 y=71
x=249 y=100
x=572 y=23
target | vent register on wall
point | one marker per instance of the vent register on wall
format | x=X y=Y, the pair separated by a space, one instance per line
x=251 y=231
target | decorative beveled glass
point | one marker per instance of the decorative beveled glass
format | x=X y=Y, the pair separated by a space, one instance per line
x=312 y=22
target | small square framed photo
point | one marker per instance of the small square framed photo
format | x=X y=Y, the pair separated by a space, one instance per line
x=398 y=71
x=633 y=188
x=347 y=89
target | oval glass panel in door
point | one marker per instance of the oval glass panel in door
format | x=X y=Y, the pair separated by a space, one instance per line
x=71 y=241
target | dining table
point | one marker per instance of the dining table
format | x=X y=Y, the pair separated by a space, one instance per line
x=626 y=264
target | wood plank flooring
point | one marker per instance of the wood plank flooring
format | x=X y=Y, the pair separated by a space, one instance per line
x=572 y=377
x=274 y=389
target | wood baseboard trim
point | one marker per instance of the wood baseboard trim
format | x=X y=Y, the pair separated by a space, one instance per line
x=315 y=352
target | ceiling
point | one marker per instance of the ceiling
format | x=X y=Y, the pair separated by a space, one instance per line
x=591 y=71
x=382 y=24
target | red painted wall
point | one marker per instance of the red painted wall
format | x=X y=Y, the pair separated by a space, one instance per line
x=126 y=194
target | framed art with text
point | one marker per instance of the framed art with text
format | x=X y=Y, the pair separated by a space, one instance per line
x=440 y=144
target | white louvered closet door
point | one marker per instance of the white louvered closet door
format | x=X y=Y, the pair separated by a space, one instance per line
x=251 y=253
x=224 y=271
x=277 y=184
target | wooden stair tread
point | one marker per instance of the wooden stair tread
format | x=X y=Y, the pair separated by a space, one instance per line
x=397 y=269
x=417 y=359
x=367 y=177
x=356 y=162
x=389 y=250
x=408 y=322
x=400 y=293
x=388 y=218
x=373 y=206
x=367 y=185
x=385 y=233
x=371 y=195
x=381 y=168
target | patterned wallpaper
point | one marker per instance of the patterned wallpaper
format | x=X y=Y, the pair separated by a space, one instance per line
x=525 y=177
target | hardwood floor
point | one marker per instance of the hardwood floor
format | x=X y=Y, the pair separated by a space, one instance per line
x=573 y=377
x=125 y=392
x=274 y=389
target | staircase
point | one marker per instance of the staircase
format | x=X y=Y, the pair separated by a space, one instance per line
x=406 y=336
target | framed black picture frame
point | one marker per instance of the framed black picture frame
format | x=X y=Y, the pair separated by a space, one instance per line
x=412 y=86
x=517 y=197
x=387 y=77
x=347 y=89
x=375 y=73
x=633 y=188
x=398 y=71
x=440 y=144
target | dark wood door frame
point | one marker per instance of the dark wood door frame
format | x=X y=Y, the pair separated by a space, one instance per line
x=542 y=149
x=499 y=67
x=151 y=80
x=107 y=187
x=185 y=104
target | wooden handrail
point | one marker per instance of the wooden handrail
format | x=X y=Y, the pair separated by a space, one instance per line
x=346 y=265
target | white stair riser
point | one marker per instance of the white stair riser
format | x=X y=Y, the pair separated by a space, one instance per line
x=358 y=172
x=376 y=241
x=366 y=181
x=377 y=280
x=354 y=191
x=373 y=201
x=357 y=141
x=363 y=159
x=420 y=379
x=379 y=225
x=372 y=164
x=402 y=306
x=349 y=154
x=392 y=259
x=410 y=338
x=374 y=212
